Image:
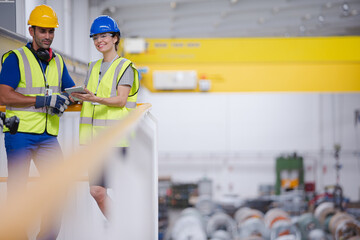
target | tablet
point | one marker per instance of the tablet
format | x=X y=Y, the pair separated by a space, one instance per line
x=77 y=89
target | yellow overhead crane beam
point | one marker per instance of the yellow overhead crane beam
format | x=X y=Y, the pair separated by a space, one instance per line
x=307 y=64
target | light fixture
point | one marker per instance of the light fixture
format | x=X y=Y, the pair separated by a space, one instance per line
x=307 y=16
x=173 y=5
x=261 y=20
x=321 y=18
x=275 y=10
x=112 y=9
x=302 y=28
x=109 y=10
x=328 y=4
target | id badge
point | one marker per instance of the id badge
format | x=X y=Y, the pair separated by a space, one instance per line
x=48 y=92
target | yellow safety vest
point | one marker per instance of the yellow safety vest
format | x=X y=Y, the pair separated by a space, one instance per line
x=32 y=83
x=94 y=118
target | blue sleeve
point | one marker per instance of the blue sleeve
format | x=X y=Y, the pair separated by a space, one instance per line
x=10 y=72
x=67 y=81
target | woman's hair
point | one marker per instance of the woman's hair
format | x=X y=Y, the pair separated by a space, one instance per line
x=117 y=34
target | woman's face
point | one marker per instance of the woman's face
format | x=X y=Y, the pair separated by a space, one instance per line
x=104 y=42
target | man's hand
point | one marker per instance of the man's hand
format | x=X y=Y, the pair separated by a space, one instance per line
x=59 y=102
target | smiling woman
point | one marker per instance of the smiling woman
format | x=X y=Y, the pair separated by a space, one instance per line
x=111 y=93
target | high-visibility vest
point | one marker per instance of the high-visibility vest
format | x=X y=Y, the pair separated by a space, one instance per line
x=94 y=118
x=32 y=83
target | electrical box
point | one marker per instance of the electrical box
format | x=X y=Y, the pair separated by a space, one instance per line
x=134 y=45
x=175 y=80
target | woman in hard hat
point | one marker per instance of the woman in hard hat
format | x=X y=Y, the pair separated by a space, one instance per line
x=111 y=89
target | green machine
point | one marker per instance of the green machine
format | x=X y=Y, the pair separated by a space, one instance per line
x=289 y=173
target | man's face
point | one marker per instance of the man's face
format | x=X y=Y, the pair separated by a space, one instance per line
x=42 y=37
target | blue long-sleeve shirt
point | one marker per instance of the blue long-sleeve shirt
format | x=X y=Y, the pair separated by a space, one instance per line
x=10 y=72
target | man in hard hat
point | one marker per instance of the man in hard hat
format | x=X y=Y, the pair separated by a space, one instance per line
x=32 y=81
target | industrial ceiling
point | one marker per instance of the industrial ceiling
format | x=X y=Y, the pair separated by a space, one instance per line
x=233 y=18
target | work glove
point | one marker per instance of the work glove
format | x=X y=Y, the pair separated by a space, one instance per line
x=54 y=111
x=59 y=102
x=67 y=95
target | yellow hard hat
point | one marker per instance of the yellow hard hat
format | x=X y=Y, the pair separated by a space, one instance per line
x=43 y=16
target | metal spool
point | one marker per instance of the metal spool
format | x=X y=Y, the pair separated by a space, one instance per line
x=317 y=234
x=354 y=238
x=326 y=223
x=190 y=233
x=221 y=221
x=238 y=214
x=274 y=215
x=337 y=219
x=323 y=211
x=253 y=227
x=306 y=223
x=253 y=238
x=191 y=211
x=190 y=225
x=347 y=229
x=205 y=205
x=245 y=213
x=283 y=229
x=221 y=234
x=286 y=237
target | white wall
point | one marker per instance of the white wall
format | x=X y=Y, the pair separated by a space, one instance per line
x=235 y=138
x=72 y=35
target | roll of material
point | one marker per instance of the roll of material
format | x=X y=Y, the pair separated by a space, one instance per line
x=221 y=234
x=284 y=229
x=253 y=227
x=274 y=215
x=317 y=234
x=221 y=221
x=243 y=214
x=253 y=238
x=205 y=205
x=347 y=229
x=354 y=238
x=324 y=210
x=338 y=219
x=306 y=223
x=190 y=225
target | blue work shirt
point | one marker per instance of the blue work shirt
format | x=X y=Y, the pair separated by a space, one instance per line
x=10 y=72
x=10 y=75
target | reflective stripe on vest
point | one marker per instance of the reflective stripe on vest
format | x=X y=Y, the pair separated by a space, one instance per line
x=100 y=116
x=32 y=83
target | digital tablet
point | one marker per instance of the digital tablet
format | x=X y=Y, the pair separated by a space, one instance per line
x=77 y=89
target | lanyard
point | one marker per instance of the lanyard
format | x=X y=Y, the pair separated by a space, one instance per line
x=48 y=91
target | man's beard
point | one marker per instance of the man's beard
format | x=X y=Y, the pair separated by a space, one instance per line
x=41 y=45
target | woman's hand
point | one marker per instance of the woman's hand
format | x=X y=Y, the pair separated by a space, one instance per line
x=88 y=96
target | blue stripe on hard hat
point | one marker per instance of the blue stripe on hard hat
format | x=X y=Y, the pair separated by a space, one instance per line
x=103 y=24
